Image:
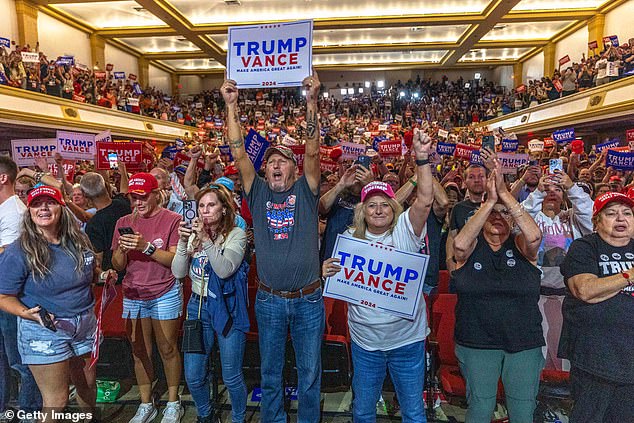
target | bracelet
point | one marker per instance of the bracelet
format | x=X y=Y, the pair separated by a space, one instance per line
x=422 y=162
x=38 y=177
x=413 y=182
x=149 y=249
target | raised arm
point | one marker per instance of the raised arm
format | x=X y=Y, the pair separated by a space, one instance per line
x=229 y=92
x=419 y=211
x=312 y=171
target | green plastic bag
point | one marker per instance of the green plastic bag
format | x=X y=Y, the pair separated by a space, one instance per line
x=107 y=390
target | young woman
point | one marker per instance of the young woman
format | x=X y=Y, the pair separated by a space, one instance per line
x=212 y=252
x=46 y=281
x=144 y=244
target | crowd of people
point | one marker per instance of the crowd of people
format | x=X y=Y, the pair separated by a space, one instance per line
x=516 y=243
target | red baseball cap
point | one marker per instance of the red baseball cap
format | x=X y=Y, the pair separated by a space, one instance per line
x=616 y=178
x=610 y=197
x=231 y=170
x=142 y=183
x=45 y=191
x=376 y=187
x=630 y=193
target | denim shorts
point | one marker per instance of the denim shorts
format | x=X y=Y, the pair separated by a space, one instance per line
x=74 y=338
x=166 y=307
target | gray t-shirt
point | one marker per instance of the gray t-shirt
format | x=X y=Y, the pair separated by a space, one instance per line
x=285 y=225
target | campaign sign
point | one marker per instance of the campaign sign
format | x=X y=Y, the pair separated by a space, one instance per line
x=5 y=42
x=564 y=135
x=629 y=135
x=270 y=54
x=463 y=151
x=75 y=145
x=445 y=148
x=377 y=276
x=564 y=60
x=443 y=134
x=119 y=75
x=510 y=145
x=351 y=150
x=225 y=150
x=476 y=158
x=511 y=161
x=620 y=160
x=535 y=145
x=105 y=136
x=609 y=144
x=593 y=45
x=28 y=57
x=130 y=153
x=255 y=146
x=299 y=151
x=24 y=152
x=390 y=149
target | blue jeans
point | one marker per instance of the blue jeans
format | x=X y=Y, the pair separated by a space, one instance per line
x=196 y=366
x=29 y=398
x=306 y=318
x=407 y=370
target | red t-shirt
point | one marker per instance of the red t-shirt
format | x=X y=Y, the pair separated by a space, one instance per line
x=147 y=279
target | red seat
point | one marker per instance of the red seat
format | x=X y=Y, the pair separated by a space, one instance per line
x=336 y=318
x=443 y=282
x=443 y=324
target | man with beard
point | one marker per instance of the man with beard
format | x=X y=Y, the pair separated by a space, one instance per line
x=527 y=183
x=475 y=181
x=559 y=228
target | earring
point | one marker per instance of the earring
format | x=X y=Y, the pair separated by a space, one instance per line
x=224 y=212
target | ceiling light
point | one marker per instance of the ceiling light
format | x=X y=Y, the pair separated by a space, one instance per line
x=232 y=2
x=182 y=40
x=417 y=28
x=499 y=27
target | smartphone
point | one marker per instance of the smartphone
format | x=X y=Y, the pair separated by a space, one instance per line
x=46 y=319
x=533 y=162
x=554 y=165
x=126 y=230
x=364 y=161
x=190 y=212
x=113 y=158
x=488 y=142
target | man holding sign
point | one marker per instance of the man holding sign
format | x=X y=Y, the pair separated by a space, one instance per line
x=285 y=222
x=380 y=339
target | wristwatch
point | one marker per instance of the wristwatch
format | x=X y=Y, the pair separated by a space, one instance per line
x=150 y=249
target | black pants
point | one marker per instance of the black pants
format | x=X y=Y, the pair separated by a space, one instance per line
x=598 y=400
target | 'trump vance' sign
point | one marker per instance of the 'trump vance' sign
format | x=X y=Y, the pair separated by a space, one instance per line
x=377 y=276
x=24 y=152
x=76 y=146
x=270 y=55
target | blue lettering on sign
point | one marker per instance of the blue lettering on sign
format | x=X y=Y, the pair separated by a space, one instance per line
x=564 y=135
x=289 y=45
x=446 y=149
x=376 y=267
x=510 y=145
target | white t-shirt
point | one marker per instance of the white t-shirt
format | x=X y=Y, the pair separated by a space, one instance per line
x=11 y=213
x=374 y=330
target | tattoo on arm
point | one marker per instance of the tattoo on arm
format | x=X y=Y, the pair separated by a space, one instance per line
x=236 y=118
x=234 y=144
x=311 y=124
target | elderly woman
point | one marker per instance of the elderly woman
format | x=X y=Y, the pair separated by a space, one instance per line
x=498 y=324
x=144 y=244
x=382 y=341
x=598 y=334
x=46 y=281
x=212 y=252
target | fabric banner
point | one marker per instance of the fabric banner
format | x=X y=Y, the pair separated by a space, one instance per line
x=620 y=160
x=255 y=146
x=351 y=150
x=564 y=135
x=24 y=152
x=270 y=55
x=76 y=145
x=377 y=276
x=446 y=148
x=609 y=144
x=130 y=153
x=509 y=145
x=390 y=149
x=511 y=161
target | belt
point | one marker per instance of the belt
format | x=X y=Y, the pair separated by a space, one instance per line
x=308 y=289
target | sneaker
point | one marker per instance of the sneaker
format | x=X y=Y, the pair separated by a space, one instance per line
x=145 y=413
x=173 y=412
x=212 y=418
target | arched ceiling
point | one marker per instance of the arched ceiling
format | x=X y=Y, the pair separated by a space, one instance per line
x=190 y=36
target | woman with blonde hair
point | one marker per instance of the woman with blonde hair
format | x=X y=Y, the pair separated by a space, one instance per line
x=211 y=252
x=46 y=281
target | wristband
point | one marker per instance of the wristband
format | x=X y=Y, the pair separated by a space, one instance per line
x=150 y=249
x=422 y=162
x=413 y=182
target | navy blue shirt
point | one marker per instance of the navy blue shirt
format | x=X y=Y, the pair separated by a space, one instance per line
x=339 y=219
x=64 y=292
x=431 y=247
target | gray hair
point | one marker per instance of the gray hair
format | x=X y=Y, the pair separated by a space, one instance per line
x=93 y=185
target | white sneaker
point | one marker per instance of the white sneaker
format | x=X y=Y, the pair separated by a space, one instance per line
x=173 y=412
x=145 y=413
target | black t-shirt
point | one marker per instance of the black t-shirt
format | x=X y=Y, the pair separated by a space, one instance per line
x=599 y=338
x=100 y=229
x=498 y=295
x=432 y=248
x=461 y=213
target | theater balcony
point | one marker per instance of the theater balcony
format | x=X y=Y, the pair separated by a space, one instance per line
x=24 y=114
x=603 y=109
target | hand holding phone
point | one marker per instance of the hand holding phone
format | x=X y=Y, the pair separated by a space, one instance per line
x=555 y=165
x=126 y=230
x=364 y=161
x=113 y=158
x=488 y=142
x=46 y=319
x=190 y=212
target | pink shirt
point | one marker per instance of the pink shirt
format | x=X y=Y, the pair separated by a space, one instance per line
x=145 y=278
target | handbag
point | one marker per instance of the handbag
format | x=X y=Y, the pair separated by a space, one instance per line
x=193 y=331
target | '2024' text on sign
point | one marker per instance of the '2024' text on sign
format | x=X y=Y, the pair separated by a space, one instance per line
x=378 y=276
